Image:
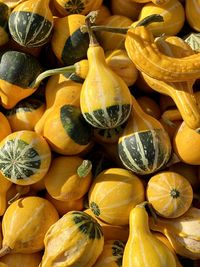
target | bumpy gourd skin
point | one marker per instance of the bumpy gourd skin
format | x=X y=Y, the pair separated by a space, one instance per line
x=144 y=52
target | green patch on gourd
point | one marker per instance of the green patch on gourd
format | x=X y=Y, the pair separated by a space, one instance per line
x=74 y=6
x=95 y=208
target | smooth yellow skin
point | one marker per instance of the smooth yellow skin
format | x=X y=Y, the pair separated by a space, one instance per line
x=5 y=185
x=26 y=222
x=5 y=128
x=22 y=260
x=143 y=249
x=126 y=8
x=116 y=191
x=192 y=13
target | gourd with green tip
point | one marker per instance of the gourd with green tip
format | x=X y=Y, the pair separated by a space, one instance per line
x=76 y=239
x=4 y=15
x=31 y=23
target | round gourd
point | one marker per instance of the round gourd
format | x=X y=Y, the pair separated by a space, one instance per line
x=74 y=178
x=68 y=43
x=192 y=13
x=4 y=15
x=113 y=193
x=4 y=126
x=126 y=8
x=25 y=224
x=22 y=259
x=25 y=157
x=169 y=193
x=31 y=22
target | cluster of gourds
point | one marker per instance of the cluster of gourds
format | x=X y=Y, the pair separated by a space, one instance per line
x=99 y=133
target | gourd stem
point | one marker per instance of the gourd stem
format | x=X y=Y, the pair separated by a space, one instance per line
x=89 y=20
x=84 y=168
x=64 y=70
x=5 y=250
x=21 y=190
x=171 y=115
x=150 y=210
x=16 y=197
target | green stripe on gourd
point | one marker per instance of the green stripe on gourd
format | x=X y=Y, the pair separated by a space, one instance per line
x=29 y=29
x=110 y=117
x=118 y=251
x=18 y=160
x=75 y=125
x=87 y=225
x=145 y=152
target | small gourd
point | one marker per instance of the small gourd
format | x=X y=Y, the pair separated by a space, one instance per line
x=192 y=14
x=31 y=22
x=5 y=128
x=75 y=177
x=25 y=224
x=103 y=108
x=5 y=185
x=25 y=157
x=76 y=239
x=150 y=106
x=4 y=15
x=169 y=193
x=143 y=249
x=113 y=193
x=22 y=259
x=144 y=146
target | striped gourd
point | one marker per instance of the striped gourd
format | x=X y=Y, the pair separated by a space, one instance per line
x=31 y=23
x=76 y=239
x=25 y=157
x=4 y=15
x=144 y=146
x=111 y=255
x=105 y=98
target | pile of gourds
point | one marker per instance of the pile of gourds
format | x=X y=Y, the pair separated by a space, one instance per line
x=99 y=133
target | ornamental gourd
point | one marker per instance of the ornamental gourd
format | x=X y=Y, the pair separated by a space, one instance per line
x=5 y=185
x=22 y=259
x=76 y=239
x=125 y=8
x=25 y=157
x=4 y=126
x=4 y=15
x=192 y=13
x=31 y=22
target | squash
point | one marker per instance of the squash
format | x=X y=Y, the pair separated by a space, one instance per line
x=182 y=232
x=4 y=126
x=25 y=224
x=169 y=193
x=75 y=239
x=75 y=177
x=25 y=114
x=103 y=108
x=113 y=193
x=60 y=131
x=22 y=260
x=13 y=3
x=68 y=42
x=5 y=185
x=31 y=23
x=25 y=157
x=143 y=248
x=111 y=255
x=67 y=7
x=4 y=15
x=150 y=106
x=192 y=14
x=103 y=12
x=17 y=71
x=3 y=264
x=125 y=8
x=144 y=146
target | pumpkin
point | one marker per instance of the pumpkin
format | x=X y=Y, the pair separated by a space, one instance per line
x=143 y=248
x=31 y=22
x=169 y=193
x=75 y=239
x=4 y=15
x=113 y=193
x=22 y=260
x=25 y=224
x=4 y=126
x=25 y=157
x=75 y=177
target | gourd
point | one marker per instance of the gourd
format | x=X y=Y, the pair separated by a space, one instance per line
x=144 y=146
x=75 y=239
x=17 y=71
x=125 y=8
x=143 y=248
x=192 y=14
x=60 y=130
x=103 y=12
x=25 y=224
x=22 y=260
x=182 y=232
x=156 y=2
x=113 y=193
x=4 y=126
x=3 y=264
x=31 y=23
x=169 y=193
x=25 y=114
x=12 y=3
x=111 y=255
x=25 y=157
x=5 y=185
x=103 y=108
x=67 y=7
x=75 y=177
x=149 y=105
x=68 y=42
x=4 y=15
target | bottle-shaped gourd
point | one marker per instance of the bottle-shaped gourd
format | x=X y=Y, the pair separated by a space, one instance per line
x=105 y=98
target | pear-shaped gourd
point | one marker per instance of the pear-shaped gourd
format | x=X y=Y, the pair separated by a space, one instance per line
x=105 y=98
x=25 y=224
x=143 y=249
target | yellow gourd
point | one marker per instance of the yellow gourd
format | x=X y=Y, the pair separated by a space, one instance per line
x=25 y=224
x=74 y=180
x=192 y=13
x=113 y=193
x=150 y=106
x=103 y=13
x=169 y=193
x=3 y=264
x=143 y=249
x=5 y=128
x=125 y=8
x=22 y=259
x=5 y=185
